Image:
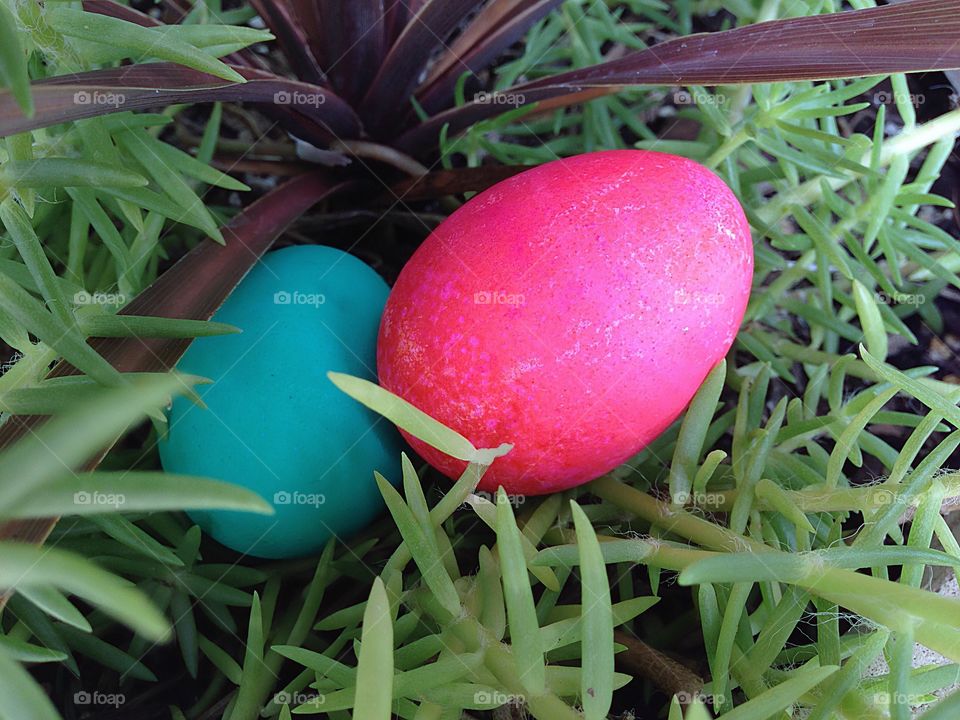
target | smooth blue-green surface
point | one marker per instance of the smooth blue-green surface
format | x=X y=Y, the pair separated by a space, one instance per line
x=274 y=422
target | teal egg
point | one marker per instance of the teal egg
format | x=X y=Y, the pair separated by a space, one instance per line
x=274 y=423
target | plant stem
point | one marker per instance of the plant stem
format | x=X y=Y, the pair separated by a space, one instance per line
x=381 y=153
x=675 y=520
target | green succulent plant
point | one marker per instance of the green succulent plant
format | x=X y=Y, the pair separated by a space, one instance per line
x=802 y=568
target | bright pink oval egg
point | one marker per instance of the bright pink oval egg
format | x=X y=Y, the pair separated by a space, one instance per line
x=572 y=310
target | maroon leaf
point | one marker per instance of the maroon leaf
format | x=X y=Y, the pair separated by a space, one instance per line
x=175 y=11
x=498 y=26
x=396 y=15
x=193 y=288
x=150 y=85
x=909 y=37
x=283 y=22
x=451 y=182
x=121 y=12
x=397 y=77
x=349 y=43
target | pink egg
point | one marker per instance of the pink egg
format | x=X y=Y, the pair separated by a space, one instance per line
x=572 y=310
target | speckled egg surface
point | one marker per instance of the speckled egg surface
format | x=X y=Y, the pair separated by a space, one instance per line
x=274 y=422
x=572 y=310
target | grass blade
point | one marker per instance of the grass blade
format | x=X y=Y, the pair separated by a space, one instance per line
x=13 y=61
x=596 y=692
x=28 y=565
x=416 y=422
x=374 y=694
x=521 y=612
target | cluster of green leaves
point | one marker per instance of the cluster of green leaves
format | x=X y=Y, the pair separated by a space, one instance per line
x=89 y=212
x=756 y=477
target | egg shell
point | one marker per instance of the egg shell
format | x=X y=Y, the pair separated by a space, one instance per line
x=572 y=310
x=274 y=422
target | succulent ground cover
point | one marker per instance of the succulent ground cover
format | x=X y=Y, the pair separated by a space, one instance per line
x=756 y=558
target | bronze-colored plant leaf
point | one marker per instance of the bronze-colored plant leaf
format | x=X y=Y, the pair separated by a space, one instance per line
x=396 y=15
x=499 y=25
x=121 y=12
x=915 y=36
x=350 y=44
x=150 y=85
x=397 y=77
x=455 y=181
x=285 y=24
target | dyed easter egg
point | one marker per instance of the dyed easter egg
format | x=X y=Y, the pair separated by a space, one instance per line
x=274 y=423
x=572 y=310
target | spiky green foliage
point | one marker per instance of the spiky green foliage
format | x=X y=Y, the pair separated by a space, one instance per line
x=458 y=601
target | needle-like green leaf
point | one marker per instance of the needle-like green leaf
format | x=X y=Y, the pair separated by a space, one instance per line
x=596 y=692
x=414 y=421
x=521 y=612
x=374 y=693
x=139 y=42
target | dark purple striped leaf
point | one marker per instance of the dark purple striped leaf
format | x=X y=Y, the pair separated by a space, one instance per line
x=283 y=21
x=397 y=78
x=498 y=26
x=349 y=44
x=151 y=85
